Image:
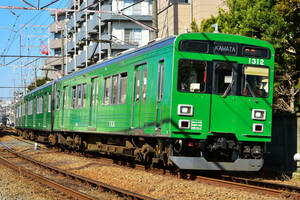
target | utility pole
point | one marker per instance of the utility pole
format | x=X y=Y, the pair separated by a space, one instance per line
x=62 y=53
x=154 y=20
x=35 y=73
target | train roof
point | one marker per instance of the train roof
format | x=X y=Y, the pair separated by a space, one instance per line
x=122 y=56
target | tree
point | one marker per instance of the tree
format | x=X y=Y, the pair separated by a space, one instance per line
x=276 y=22
x=39 y=82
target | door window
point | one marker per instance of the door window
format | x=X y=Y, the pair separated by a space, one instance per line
x=223 y=77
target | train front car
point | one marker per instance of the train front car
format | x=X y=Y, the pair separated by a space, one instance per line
x=221 y=102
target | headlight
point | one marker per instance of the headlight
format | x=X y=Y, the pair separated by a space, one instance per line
x=185 y=110
x=259 y=114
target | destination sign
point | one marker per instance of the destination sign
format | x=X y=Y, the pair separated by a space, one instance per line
x=225 y=48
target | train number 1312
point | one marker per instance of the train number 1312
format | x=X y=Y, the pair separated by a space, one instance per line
x=256 y=61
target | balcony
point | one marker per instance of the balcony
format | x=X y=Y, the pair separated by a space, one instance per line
x=70 y=24
x=70 y=4
x=70 y=46
x=80 y=60
x=92 y=4
x=55 y=43
x=54 y=28
x=53 y=61
x=93 y=23
x=70 y=66
x=82 y=33
x=80 y=17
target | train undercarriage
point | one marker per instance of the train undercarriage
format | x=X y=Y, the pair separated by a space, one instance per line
x=218 y=152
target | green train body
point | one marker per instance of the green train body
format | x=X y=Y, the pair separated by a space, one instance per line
x=198 y=100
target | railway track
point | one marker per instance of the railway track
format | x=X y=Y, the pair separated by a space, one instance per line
x=64 y=189
x=274 y=189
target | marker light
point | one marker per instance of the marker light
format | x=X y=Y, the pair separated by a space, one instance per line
x=184 y=124
x=258 y=128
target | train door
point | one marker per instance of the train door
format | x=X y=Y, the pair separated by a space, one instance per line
x=63 y=106
x=159 y=93
x=93 y=102
x=140 y=95
x=223 y=103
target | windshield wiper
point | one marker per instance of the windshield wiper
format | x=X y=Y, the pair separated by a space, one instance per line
x=251 y=91
x=228 y=89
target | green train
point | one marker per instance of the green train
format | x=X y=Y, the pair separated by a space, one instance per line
x=197 y=101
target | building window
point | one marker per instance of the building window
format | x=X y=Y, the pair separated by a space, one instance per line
x=133 y=10
x=133 y=36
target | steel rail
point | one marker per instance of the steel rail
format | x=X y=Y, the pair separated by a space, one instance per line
x=289 y=188
x=43 y=180
x=107 y=187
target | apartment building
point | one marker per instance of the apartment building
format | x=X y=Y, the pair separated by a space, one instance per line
x=93 y=30
x=175 y=16
x=52 y=66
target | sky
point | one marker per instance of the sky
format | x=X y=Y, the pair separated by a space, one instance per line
x=22 y=31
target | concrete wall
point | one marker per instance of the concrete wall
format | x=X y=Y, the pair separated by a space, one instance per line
x=285 y=143
x=178 y=17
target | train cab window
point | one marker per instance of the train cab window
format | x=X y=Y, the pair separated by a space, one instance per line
x=191 y=76
x=106 y=95
x=255 y=81
x=123 y=87
x=223 y=77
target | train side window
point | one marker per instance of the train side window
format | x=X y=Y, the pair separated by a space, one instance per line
x=161 y=78
x=73 y=96
x=30 y=104
x=49 y=102
x=191 y=76
x=23 y=110
x=45 y=102
x=83 y=95
x=57 y=99
x=106 y=96
x=79 y=97
x=123 y=87
x=115 y=89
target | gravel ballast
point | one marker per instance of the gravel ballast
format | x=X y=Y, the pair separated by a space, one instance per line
x=153 y=185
